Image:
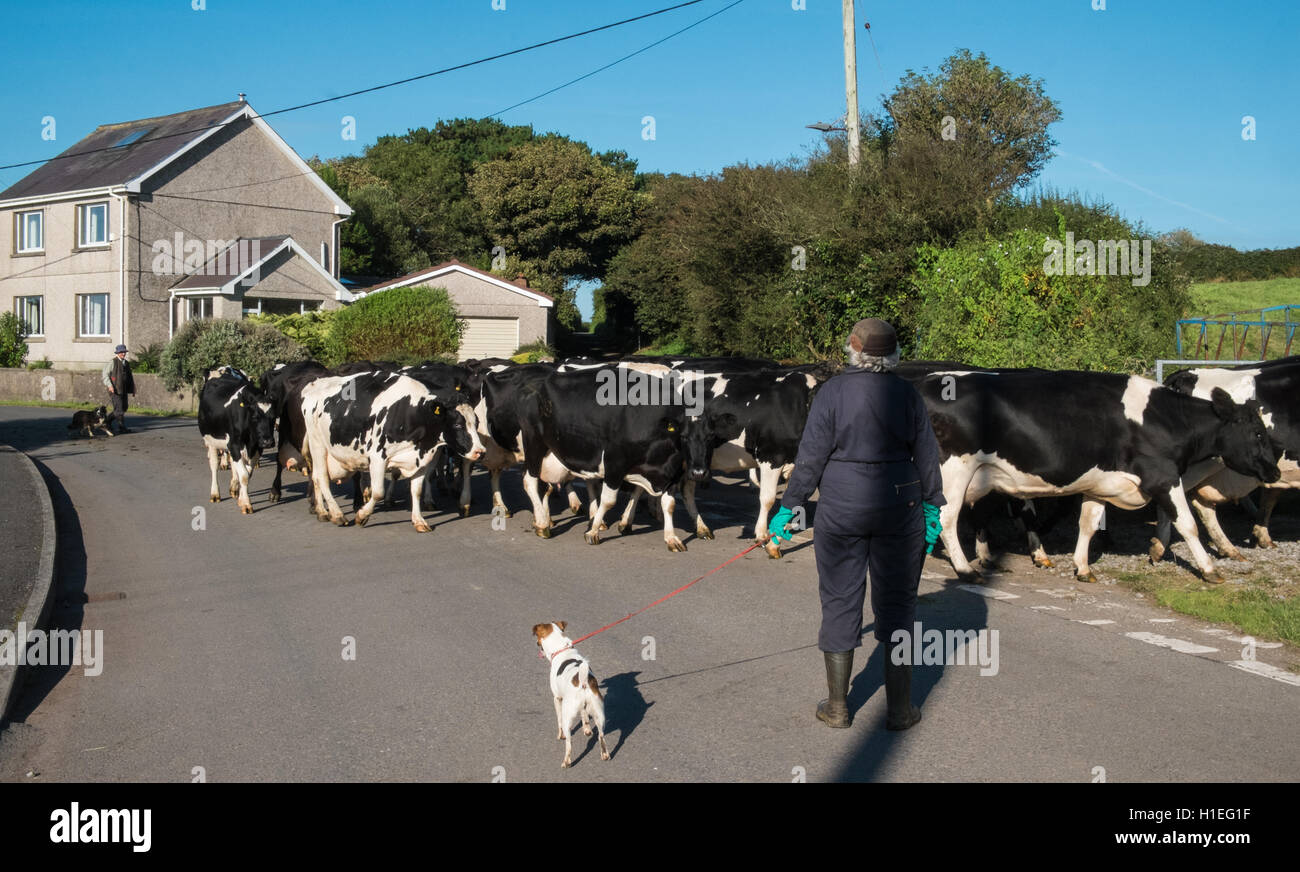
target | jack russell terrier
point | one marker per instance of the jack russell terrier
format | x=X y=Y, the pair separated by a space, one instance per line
x=576 y=691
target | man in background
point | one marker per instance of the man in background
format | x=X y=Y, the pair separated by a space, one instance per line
x=118 y=380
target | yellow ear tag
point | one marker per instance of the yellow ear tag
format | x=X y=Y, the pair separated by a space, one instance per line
x=241 y=405
x=672 y=429
x=437 y=410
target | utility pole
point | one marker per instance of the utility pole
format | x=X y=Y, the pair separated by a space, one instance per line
x=851 y=82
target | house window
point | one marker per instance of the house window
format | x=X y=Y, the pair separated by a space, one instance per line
x=30 y=232
x=31 y=311
x=197 y=308
x=92 y=315
x=92 y=225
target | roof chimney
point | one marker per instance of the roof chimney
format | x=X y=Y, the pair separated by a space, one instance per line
x=521 y=280
x=241 y=96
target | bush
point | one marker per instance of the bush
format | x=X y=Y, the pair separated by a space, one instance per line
x=990 y=302
x=205 y=344
x=312 y=330
x=148 y=358
x=43 y=363
x=13 y=351
x=406 y=325
x=533 y=352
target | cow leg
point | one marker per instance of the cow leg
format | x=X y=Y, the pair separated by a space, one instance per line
x=376 y=491
x=225 y=458
x=1030 y=526
x=769 y=477
x=498 y=503
x=417 y=491
x=1176 y=504
x=575 y=504
x=213 y=461
x=688 y=496
x=327 y=508
x=1210 y=520
x=980 y=513
x=667 y=504
x=629 y=511
x=1090 y=515
x=608 y=496
x=274 y=495
x=1267 y=501
x=239 y=474
x=466 y=469
x=541 y=507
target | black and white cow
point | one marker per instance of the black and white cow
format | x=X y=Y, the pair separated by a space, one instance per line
x=375 y=422
x=572 y=426
x=1115 y=439
x=235 y=418
x=1276 y=387
x=283 y=386
x=506 y=397
x=749 y=421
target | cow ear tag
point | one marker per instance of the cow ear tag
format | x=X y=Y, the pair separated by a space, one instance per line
x=241 y=405
x=672 y=429
x=437 y=410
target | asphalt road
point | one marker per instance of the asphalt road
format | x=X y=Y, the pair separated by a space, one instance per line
x=223 y=649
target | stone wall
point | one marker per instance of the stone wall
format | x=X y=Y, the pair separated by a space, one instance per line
x=86 y=386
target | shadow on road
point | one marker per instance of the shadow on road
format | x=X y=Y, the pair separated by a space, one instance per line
x=628 y=708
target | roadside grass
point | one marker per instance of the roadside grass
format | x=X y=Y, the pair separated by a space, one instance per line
x=1261 y=605
x=668 y=348
x=133 y=410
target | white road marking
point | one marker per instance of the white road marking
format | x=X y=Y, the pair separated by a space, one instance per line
x=1048 y=608
x=988 y=592
x=1162 y=620
x=1266 y=670
x=1180 y=645
x=1097 y=622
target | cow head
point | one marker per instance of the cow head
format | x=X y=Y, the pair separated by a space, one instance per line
x=1242 y=440
x=703 y=433
x=261 y=422
x=459 y=429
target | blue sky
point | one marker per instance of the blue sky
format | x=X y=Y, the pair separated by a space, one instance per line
x=1152 y=93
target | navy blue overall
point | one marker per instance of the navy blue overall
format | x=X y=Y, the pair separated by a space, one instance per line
x=869 y=447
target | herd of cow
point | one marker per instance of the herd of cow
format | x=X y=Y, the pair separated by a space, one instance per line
x=1213 y=434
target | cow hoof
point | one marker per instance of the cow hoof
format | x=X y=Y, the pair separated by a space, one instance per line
x=422 y=527
x=339 y=521
x=464 y=511
x=1264 y=542
x=623 y=528
x=273 y=497
x=361 y=519
x=1234 y=554
x=1215 y=577
x=246 y=510
x=215 y=498
x=1043 y=563
x=704 y=532
x=543 y=532
x=969 y=578
x=1085 y=578
x=1156 y=552
x=592 y=537
x=675 y=544
x=773 y=549
x=325 y=518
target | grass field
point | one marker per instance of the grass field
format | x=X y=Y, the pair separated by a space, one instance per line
x=1210 y=299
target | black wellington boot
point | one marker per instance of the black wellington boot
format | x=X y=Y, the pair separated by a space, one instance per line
x=834 y=711
x=901 y=714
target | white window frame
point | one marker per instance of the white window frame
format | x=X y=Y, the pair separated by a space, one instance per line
x=20 y=231
x=82 y=211
x=204 y=307
x=81 y=312
x=20 y=309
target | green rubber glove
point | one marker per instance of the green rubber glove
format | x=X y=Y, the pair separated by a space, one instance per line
x=932 y=526
x=778 y=524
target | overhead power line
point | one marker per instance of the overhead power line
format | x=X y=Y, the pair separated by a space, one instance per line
x=619 y=61
x=373 y=88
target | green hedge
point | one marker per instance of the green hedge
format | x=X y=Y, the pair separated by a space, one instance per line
x=406 y=325
x=203 y=345
x=13 y=350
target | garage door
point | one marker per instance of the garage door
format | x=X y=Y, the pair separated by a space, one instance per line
x=489 y=337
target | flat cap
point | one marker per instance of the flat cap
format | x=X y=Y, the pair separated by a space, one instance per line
x=876 y=337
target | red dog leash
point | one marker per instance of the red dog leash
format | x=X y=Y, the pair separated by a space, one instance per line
x=653 y=604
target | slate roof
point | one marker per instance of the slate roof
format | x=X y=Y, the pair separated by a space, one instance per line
x=93 y=167
x=232 y=262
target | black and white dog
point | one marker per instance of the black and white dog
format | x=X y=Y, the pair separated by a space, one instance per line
x=576 y=691
x=89 y=419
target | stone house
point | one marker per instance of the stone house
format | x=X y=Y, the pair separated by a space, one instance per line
x=144 y=225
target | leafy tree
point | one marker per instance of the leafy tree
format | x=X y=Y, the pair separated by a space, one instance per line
x=205 y=344
x=13 y=350
x=407 y=325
